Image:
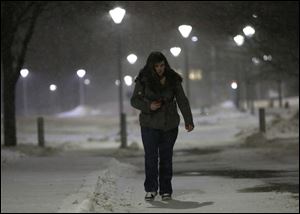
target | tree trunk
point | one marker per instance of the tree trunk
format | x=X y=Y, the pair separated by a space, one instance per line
x=279 y=84
x=9 y=118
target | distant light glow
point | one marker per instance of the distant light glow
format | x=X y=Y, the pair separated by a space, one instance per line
x=185 y=30
x=267 y=57
x=255 y=60
x=175 y=51
x=194 y=38
x=117 y=82
x=53 y=87
x=239 y=40
x=131 y=58
x=86 y=81
x=249 y=31
x=128 y=80
x=254 y=16
x=24 y=72
x=234 y=85
x=195 y=74
x=117 y=14
x=81 y=73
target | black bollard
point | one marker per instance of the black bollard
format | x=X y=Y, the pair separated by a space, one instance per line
x=40 y=124
x=262 y=120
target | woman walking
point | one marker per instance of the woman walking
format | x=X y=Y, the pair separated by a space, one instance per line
x=157 y=93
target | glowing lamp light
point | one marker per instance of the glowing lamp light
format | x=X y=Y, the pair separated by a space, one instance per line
x=128 y=80
x=52 y=87
x=86 y=81
x=249 y=31
x=234 y=85
x=175 y=51
x=131 y=58
x=239 y=40
x=24 y=72
x=81 y=73
x=117 y=14
x=185 y=30
x=194 y=38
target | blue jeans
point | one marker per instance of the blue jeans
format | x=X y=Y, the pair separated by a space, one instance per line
x=158 y=145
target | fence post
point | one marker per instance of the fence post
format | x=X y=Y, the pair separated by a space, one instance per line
x=40 y=126
x=123 y=131
x=262 y=120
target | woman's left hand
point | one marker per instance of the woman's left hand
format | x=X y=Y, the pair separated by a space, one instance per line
x=189 y=127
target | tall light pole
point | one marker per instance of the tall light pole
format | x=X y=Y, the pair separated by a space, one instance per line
x=24 y=73
x=234 y=86
x=81 y=73
x=131 y=58
x=117 y=14
x=175 y=51
x=248 y=31
x=185 y=31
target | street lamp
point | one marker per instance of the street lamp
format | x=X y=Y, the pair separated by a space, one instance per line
x=234 y=85
x=239 y=40
x=81 y=73
x=175 y=51
x=128 y=80
x=248 y=31
x=131 y=58
x=236 y=93
x=117 y=14
x=52 y=87
x=185 y=31
x=87 y=81
x=24 y=73
x=194 y=38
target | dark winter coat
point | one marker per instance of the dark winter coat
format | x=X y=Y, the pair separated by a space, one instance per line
x=148 y=89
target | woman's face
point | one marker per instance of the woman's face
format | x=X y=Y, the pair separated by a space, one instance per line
x=160 y=68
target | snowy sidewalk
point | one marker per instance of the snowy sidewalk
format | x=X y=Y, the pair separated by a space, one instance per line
x=228 y=179
x=213 y=170
x=47 y=184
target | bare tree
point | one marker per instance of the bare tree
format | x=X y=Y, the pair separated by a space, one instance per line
x=18 y=20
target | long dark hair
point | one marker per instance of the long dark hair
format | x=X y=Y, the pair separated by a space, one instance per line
x=153 y=58
x=157 y=57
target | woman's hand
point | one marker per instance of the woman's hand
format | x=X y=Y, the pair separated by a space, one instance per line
x=189 y=127
x=155 y=105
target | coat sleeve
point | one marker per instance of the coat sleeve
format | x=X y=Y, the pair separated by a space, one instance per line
x=138 y=99
x=183 y=104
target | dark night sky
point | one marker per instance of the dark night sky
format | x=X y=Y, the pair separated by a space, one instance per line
x=80 y=34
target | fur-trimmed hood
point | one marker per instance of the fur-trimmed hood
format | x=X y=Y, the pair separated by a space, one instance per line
x=152 y=80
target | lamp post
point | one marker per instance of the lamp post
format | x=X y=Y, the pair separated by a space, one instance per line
x=175 y=51
x=248 y=31
x=24 y=73
x=81 y=73
x=235 y=87
x=117 y=14
x=185 y=31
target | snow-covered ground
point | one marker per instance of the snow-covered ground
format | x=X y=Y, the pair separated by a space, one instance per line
x=224 y=165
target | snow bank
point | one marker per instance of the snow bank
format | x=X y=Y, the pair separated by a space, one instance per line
x=216 y=114
x=284 y=125
x=8 y=156
x=114 y=188
x=21 y=151
x=80 y=111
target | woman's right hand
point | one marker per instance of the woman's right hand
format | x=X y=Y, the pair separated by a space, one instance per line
x=155 y=105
